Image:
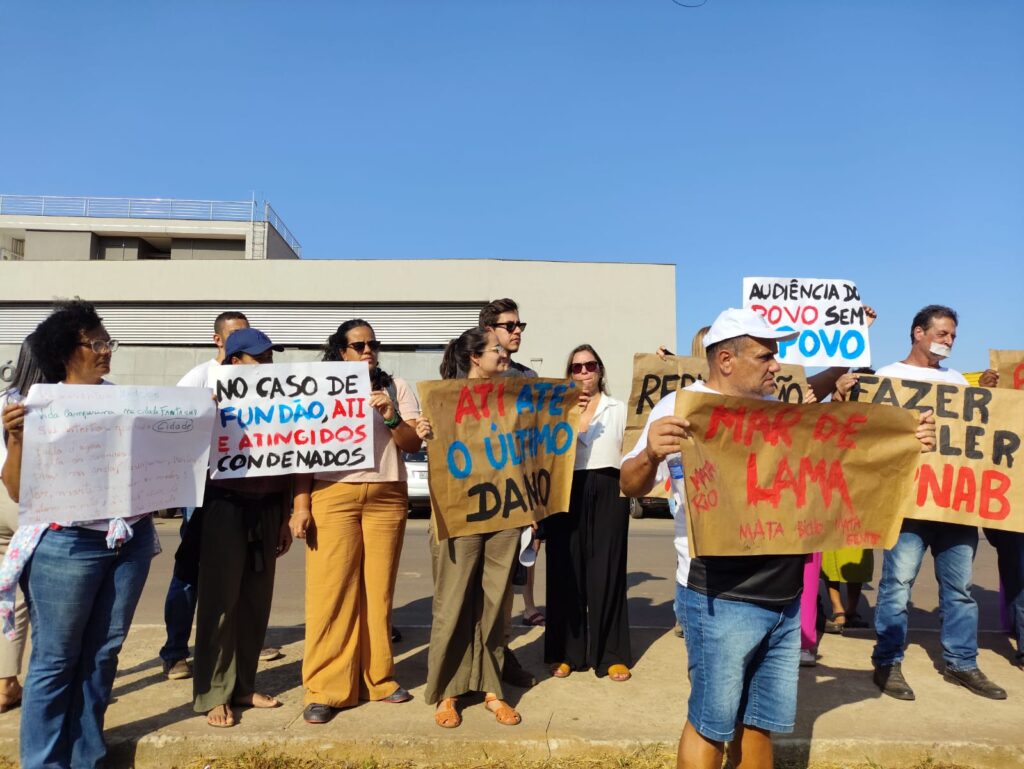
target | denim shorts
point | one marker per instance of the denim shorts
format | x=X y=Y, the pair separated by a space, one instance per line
x=744 y=661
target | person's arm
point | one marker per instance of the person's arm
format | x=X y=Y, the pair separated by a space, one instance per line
x=405 y=436
x=990 y=378
x=302 y=506
x=639 y=472
x=824 y=382
x=14 y=426
x=926 y=431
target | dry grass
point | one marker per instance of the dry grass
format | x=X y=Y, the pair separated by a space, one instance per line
x=642 y=758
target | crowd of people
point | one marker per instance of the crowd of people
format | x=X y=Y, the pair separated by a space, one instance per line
x=749 y=622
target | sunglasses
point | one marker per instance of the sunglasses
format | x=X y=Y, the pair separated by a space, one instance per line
x=100 y=346
x=359 y=347
x=511 y=325
x=590 y=366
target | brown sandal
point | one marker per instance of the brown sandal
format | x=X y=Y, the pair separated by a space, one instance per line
x=561 y=670
x=504 y=714
x=446 y=716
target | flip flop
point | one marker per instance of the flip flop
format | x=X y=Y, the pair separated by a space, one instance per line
x=534 y=620
x=229 y=719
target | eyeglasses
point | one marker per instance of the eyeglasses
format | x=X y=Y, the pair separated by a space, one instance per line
x=511 y=325
x=589 y=366
x=101 y=345
x=497 y=349
x=359 y=347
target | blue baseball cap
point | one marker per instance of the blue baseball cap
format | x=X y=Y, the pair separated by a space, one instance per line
x=249 y=340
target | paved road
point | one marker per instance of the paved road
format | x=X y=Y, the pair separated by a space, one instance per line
x=651 y=581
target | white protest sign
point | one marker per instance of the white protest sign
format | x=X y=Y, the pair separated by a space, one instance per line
x=283 y=418
x=827 y=313
x=93 y=451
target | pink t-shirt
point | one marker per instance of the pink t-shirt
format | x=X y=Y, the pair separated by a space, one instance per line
x=386 y=454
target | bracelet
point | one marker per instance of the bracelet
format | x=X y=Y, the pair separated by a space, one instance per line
x=394 y=422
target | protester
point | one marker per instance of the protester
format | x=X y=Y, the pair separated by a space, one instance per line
x=932 y=334
x=242 y=534
x=180 y=603
x=588 y=621
x=852 y=566
x=502 y=317
x=472 y=576
x=82 y=580
x=12 y=651
x=742 y=613
x=354 y=523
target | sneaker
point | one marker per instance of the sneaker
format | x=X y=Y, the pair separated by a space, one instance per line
x=514 y=673
x=808 y=659
x=975 y=681
x=889 y=678
x=177 y=670
x=269 y=654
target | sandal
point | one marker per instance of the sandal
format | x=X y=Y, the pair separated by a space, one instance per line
x=226 y=723
x=446 y=716
x=834 y=627
x=619 y=673
x=561 y=670
x=504 y=714
x=535 y=619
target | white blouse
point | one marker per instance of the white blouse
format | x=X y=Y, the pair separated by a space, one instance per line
x=601 y=445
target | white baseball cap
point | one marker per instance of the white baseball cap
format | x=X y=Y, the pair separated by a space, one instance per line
x=732 y=323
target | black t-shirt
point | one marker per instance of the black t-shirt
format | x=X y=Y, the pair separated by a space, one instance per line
x=772 y=581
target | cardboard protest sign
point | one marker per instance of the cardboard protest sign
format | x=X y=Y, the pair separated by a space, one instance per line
x=94 y=452
x=1010 y=366
x=502 y=453
x=972 y=477
x=771 y=478
x=654 y=378
x=284 y=418
x=827 y=313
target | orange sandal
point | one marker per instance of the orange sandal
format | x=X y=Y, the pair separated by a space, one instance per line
x=504 y=714
x=446 y=716
x=561 y=670
x=619 y=673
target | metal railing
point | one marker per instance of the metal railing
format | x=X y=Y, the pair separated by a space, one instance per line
x=270 y=217
x=129 y=208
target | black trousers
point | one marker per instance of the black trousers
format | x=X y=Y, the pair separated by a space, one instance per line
x=587 y=618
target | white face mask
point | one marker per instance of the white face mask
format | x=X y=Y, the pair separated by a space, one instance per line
x=942 y=350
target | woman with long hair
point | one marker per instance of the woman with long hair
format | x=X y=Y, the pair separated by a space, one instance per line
x=472 y=576
x=82 y=580
x=353 y=522
x=588 y=624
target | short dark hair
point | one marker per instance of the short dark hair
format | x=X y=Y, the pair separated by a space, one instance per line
x=57 y=337
x=601 y=384
x=926 y=315
x=224 y=317
x=490 y=312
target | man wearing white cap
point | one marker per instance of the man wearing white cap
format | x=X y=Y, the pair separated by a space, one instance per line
x=742 y=612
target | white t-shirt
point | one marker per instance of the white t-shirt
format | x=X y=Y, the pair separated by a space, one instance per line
x=601 y=445
x=666 y=407
x=198 y=376
x=922 y=373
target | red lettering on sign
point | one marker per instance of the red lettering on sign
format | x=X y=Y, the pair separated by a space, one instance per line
x=828 y=427
x=830 y=480
x=744 y=426
x=958 y=490
x=465 y=406
x=1018 y=377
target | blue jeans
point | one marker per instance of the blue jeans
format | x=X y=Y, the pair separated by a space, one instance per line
x=179 y=609
x=1009 y=547
x=81 y=598
x=953 y=547
x=744 y=661
x=679 y=606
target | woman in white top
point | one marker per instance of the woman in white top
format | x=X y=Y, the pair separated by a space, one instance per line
x=587 y=623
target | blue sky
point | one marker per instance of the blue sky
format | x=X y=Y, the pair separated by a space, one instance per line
x=875 y=141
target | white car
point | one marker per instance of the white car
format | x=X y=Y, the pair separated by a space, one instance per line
x=416 y=470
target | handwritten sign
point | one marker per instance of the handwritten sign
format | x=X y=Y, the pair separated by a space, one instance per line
x=764 y=477
x=972 y=478
x=502 y=453
x=94 y=452
x=827 y=313
x=1010 y=366
x=284 y=418
x=654 y=378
